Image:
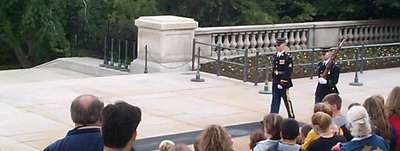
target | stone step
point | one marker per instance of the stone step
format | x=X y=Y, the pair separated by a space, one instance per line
x=86 y=65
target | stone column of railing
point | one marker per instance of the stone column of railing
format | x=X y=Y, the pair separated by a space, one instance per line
x=255 y=38
x=371 y=32
x=299 y=35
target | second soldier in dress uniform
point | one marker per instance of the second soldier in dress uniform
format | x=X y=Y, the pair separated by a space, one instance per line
x=282 y=68
x=326 y=85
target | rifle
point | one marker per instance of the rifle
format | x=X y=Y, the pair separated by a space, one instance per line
x=331 y=62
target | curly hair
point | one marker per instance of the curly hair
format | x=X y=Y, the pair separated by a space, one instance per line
x=215 y=138
x=165 y=145
x=358 y=118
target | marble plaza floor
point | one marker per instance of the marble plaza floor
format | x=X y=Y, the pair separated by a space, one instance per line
x=34 y=113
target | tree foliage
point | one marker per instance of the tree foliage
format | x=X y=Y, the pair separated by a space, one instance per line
x=32 y=29
x=36 y=31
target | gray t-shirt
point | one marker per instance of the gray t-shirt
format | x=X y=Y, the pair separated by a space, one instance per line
x=340 y=120
x=265 y=145
x=288 y=147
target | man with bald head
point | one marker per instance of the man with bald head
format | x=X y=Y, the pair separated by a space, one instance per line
x=86 y=136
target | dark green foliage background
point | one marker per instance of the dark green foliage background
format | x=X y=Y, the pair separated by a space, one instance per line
x=36 y=31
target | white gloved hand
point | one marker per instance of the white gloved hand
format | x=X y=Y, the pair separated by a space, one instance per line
x=322 y=81
x=280 y=86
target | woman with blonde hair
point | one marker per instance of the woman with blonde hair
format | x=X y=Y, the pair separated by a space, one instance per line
x=215 y=138
x=393 y=108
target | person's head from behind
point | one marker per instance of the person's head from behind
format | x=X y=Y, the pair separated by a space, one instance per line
x=215 y=138
x=165 y=145
x=305 y=129
x=303 y=133
x=272 y=126
x=180 y=147
x=359 y=123
x=393 y=102
x=86 y=110
x=375 y=108
x=380 y=98
x=289 y=129
x=335 y=101
x=120 y=121
x=321 y=122
x=256 y=136
x=352 y=105
x=323 y=107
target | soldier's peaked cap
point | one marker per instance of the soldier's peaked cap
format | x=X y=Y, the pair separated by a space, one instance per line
x=280 y=40
x=325 y=49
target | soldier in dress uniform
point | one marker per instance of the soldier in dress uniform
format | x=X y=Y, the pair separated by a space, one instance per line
x=282 y=68
x=326 y=85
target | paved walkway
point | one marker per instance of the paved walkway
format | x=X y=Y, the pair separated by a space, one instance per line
x=11 y=77
x=34 y=114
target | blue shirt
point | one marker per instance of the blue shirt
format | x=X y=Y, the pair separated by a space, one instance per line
x=288 y=147
x=266 y=145
x=372 y=142
x=79 y=139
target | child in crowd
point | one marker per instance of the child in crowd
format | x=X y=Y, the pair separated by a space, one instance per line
x=289 y=134
x=272 y=129
x=303 y=133
x=313 y=134
x=327 y=139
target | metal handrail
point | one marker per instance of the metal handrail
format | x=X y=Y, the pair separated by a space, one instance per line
x=309 y=49
x=257 y=67
x=216 y=46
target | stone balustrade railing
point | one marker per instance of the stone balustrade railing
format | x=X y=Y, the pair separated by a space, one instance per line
x=300 y=35
x=170 y=45
x=370 y=32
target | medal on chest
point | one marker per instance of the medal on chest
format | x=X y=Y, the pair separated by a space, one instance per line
x=281 y=62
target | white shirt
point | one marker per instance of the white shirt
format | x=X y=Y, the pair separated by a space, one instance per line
x=280 y=53
x=86 y=127
x=361 y=138
x=326 y=61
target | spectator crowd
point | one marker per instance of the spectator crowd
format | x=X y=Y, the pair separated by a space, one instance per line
x=373 y=125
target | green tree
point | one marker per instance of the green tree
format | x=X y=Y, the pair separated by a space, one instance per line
x=388 y=8
x=33 y=29
x=124 y=12
x=36 y=31
x=216 y=12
